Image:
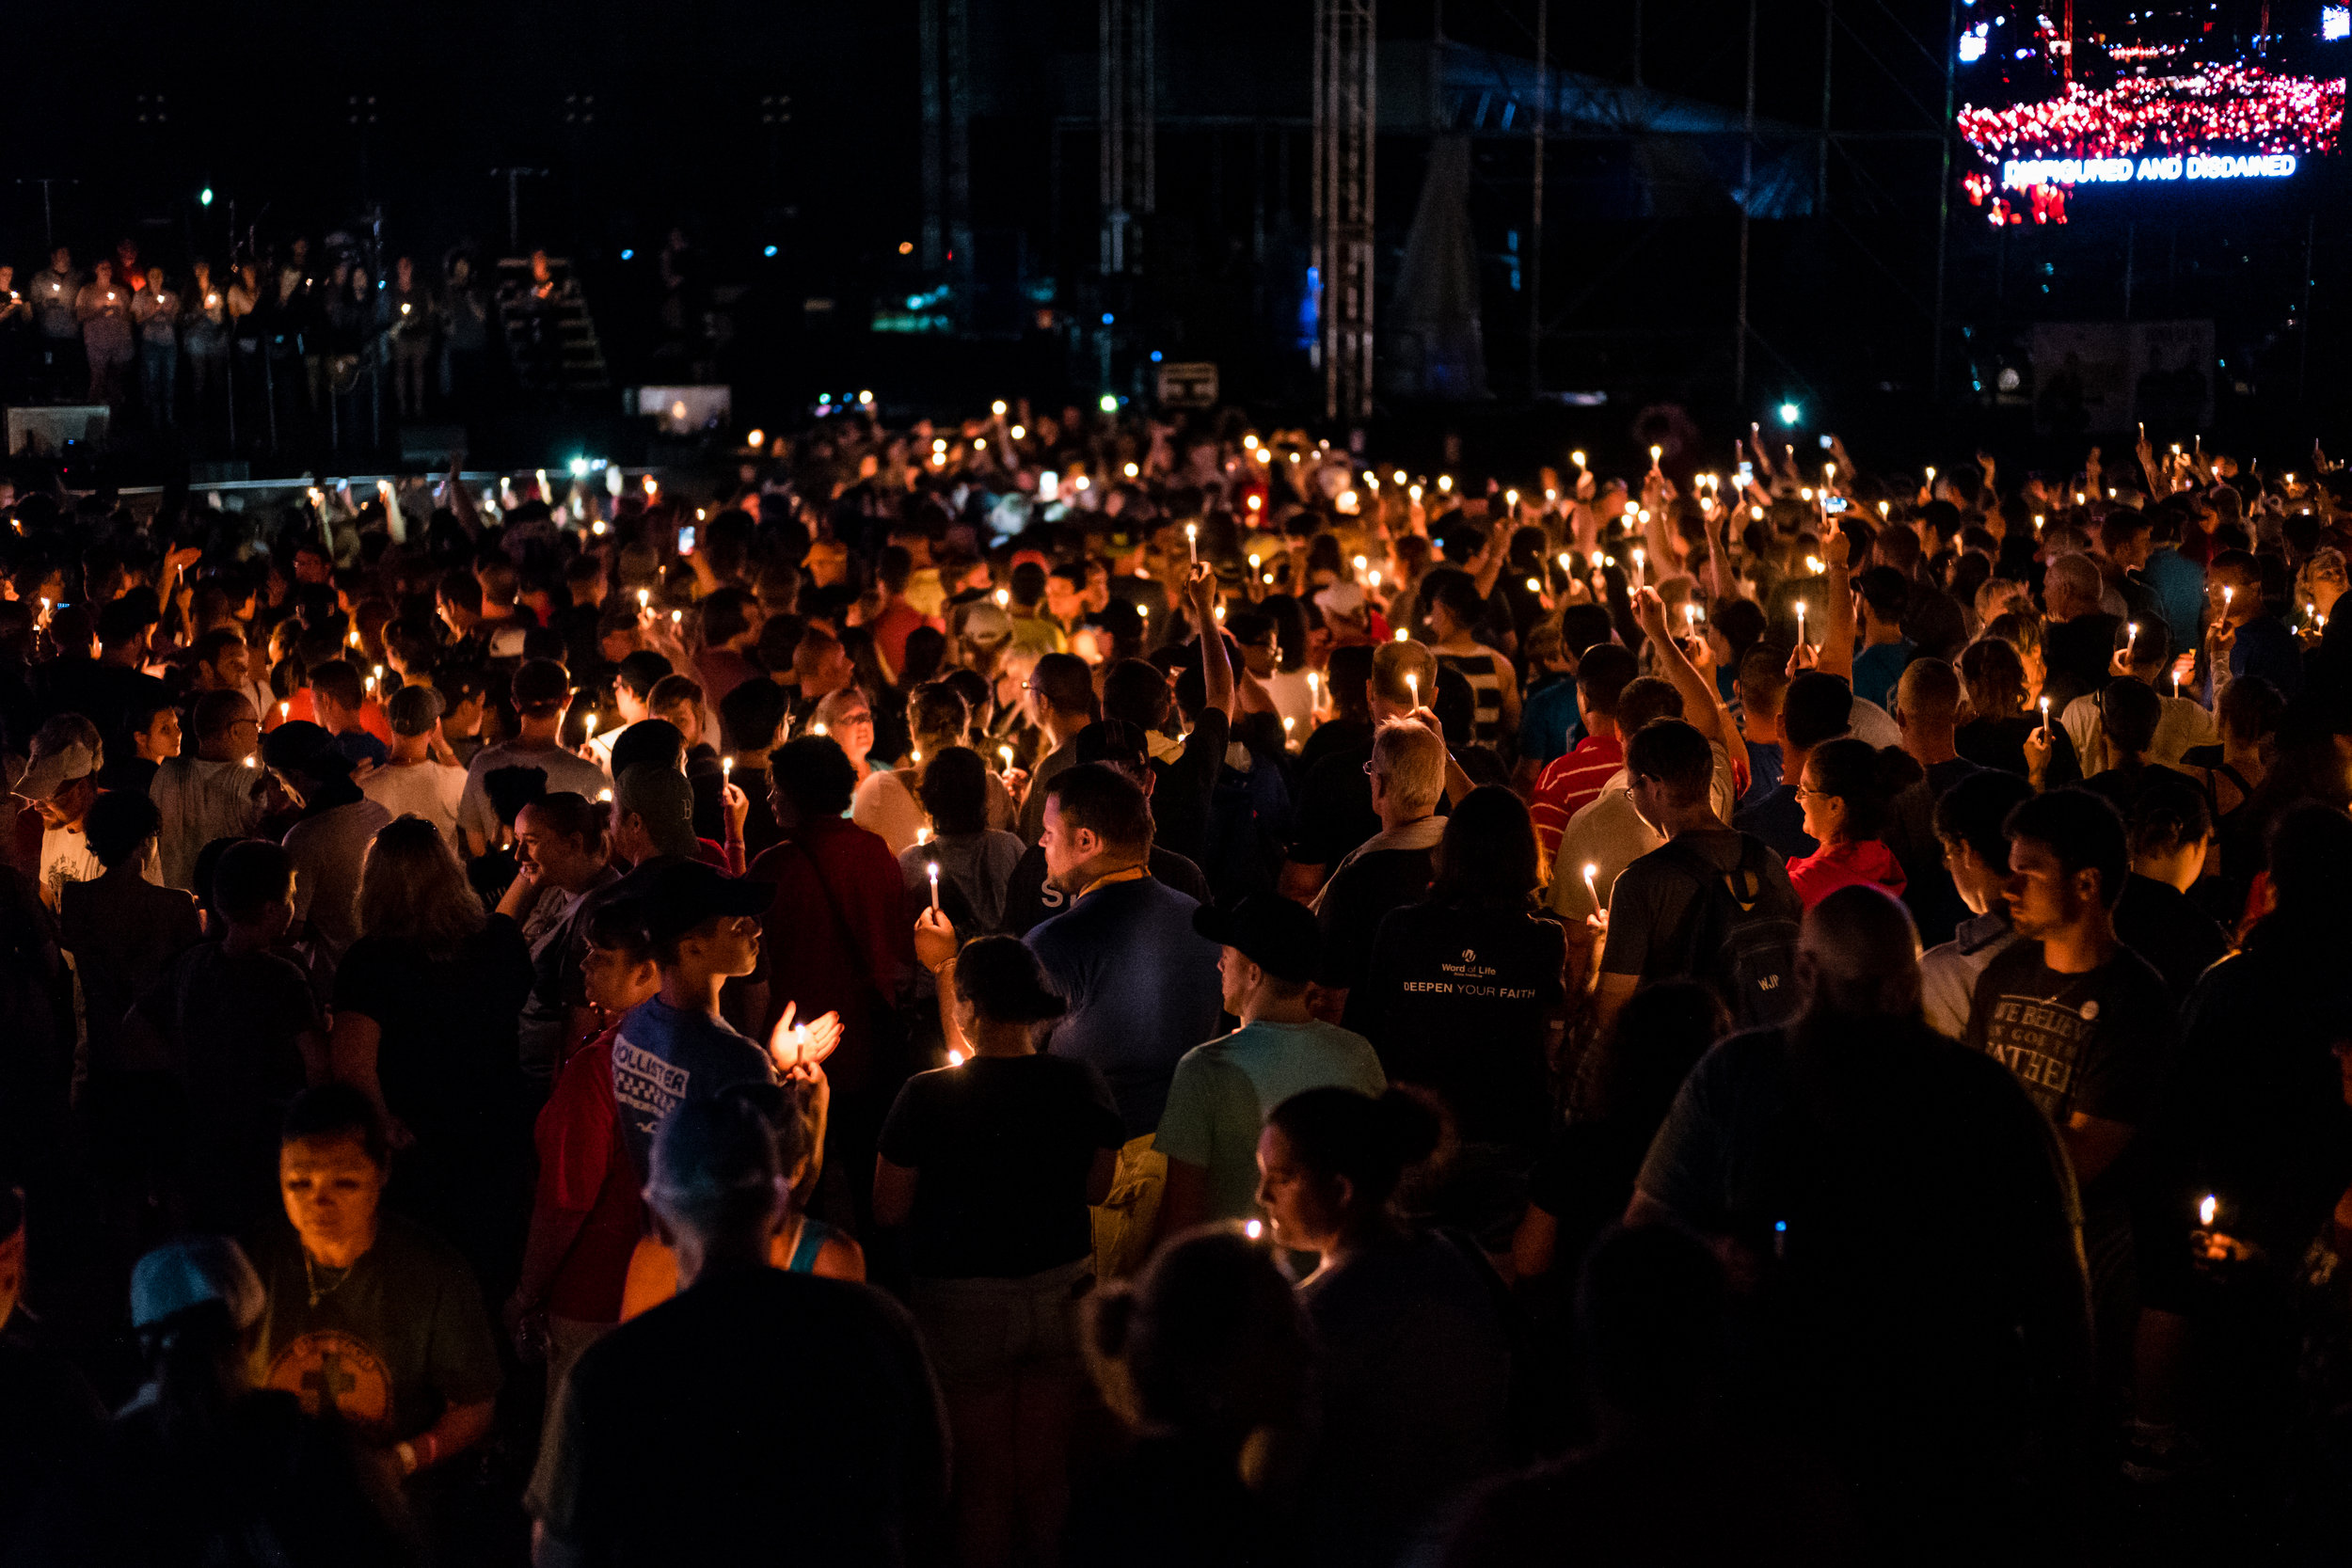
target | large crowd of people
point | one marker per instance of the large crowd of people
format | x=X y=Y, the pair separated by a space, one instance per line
x=1069 y=989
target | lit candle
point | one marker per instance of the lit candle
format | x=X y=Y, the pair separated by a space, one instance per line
x=2045 y=716
x=1578 y=458
x=285 y=710
x=1252 y=1229
x=914 y=754
x=1400 y=634
x=2206 y=1208
x=645 y=597
x=1288 y=724
x=1800 y=623
x=1005 y=753
x=1690 y=618
x=1414 y=682
x=1535 y=585
x=955 y=1058
x=1655 y=454
x=934 y=887
x=1004 y=597
x=604 y=795
x=248 y=762
x=818 y=728
x=2131 y=640
x=1192 y=541
x=1592 y=871
x=1315 y=698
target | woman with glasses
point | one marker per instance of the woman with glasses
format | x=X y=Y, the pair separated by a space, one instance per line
x=1846 y=792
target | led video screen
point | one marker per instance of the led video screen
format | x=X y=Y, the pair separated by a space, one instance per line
x=2062 y=97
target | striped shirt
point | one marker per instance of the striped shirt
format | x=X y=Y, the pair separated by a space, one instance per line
x=1571 y=782
x=1485 y=684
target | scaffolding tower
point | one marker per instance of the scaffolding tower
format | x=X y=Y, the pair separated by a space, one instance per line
x=1345 y=114
x=1125 y=80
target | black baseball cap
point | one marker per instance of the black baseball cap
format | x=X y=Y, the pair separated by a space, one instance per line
x=683 y=895
x=1271 y=931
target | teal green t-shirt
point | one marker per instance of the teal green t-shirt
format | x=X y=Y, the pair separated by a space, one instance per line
x=1218 y=1100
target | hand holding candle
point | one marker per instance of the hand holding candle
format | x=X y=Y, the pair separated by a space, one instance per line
x=797 y=1048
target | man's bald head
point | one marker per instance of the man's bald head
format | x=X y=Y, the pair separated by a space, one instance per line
x=1858 y=954
x=1928 y=694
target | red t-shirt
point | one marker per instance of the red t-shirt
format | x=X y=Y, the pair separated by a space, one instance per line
x=805 y=946
x=892 y=627
x=1571 y=782
x=584 y=1168
x=299 y=706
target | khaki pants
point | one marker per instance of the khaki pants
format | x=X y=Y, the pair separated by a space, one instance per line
x=566 y=1338
x=1124 y=1221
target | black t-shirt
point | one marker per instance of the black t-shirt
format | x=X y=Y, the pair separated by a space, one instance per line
x=758 y=1407
x=1179 y=798
x=2163 y=926
x=1030 y=899
x=1333 y=735
x=2077 y=655
x=2099 y=1042
x=2000 y=743
x=266 y=1472
x=1651 y=904
x=1414 y=1377
x=1584 y=1180
x=1910 y=833
x=1459 y=999
x=1335 y=812
x=1354 y=903
x=1004 y=1146
x=234 y=1022
x=446 y=1059
x=1919 y=1309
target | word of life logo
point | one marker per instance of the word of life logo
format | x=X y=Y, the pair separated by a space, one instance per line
x=1469 y=978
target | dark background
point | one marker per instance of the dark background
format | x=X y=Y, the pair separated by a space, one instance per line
x=647 y=117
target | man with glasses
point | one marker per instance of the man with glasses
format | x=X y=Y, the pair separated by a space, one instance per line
x=214 y=794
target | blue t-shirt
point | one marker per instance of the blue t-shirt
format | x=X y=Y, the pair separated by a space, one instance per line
x=664 y=1054
x=361 y=747
x=2179 y=586
x=1141 y=985
x=1877 y=668
x=1778 y=819
x=2263 y=646
x=1764 y=763
x=1216 y=1105
x=1546 y=719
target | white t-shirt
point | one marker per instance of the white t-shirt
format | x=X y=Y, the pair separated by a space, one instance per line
x=565 y=770
x=428 y=789
x=65 y=857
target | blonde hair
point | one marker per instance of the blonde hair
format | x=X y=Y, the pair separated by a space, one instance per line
x=414 y=890
x=1411 y=763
